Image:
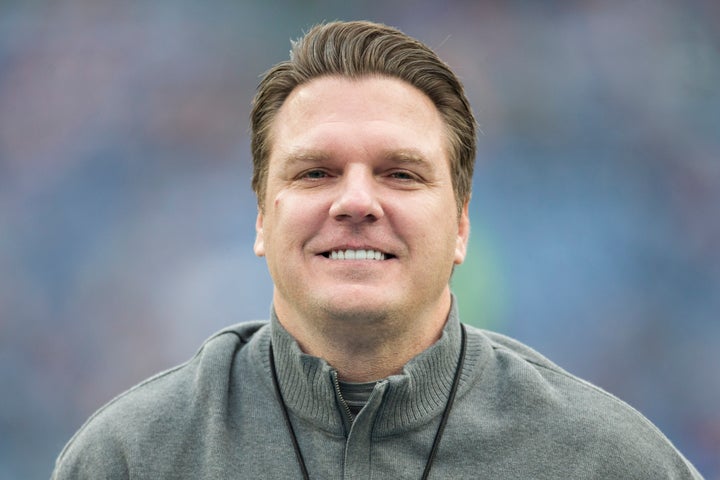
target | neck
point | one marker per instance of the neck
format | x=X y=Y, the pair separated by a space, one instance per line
x=356 y=363
x=364 y=351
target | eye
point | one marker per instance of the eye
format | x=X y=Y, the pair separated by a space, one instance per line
x=403 y=175
x=314 y=174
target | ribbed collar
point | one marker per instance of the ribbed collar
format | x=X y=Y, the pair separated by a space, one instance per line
x=411 y=398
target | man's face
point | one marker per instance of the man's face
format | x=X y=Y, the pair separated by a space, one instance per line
x=359 y=220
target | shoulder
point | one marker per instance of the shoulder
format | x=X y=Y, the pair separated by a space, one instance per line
x=158 y=407
x=578 y=418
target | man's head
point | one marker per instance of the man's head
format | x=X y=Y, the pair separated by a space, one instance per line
x=363 y=147
x=355 y=50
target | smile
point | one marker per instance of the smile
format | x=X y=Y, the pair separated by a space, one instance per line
x=355 y=255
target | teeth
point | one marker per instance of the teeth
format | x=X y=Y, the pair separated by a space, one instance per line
x=357 y=255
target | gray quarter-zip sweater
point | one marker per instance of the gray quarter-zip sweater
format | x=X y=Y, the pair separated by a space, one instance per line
x=516 y=416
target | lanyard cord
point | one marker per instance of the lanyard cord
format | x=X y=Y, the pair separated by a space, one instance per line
x=438 y=434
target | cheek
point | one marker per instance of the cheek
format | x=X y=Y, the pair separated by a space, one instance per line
x=277 y=198
x=275 y=212
x=292 y=216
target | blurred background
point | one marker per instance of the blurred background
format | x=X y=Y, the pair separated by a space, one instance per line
x=127 y=219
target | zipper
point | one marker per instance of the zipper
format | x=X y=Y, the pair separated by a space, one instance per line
x=346 y=408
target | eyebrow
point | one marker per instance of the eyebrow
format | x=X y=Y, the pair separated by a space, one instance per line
x=406 y=156
x=304 y=156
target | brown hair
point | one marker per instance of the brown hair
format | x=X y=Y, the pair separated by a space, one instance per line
x=356 y=49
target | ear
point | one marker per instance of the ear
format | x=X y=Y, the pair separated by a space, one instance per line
x=463 y=234
x=259 y=247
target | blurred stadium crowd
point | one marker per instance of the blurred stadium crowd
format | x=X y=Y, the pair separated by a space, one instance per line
x=126 y=216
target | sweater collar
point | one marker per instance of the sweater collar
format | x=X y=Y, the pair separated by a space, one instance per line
x=410 y=398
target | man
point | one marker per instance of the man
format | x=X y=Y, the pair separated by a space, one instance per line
x=363 y=149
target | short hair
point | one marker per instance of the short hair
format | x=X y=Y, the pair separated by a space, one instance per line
x=354 y=50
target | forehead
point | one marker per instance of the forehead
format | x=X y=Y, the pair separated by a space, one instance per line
x=376 y=111
x=350 y=96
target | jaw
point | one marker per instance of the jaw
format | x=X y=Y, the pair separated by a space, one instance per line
x=338 y=291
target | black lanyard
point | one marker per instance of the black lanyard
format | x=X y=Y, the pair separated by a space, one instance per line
x=438 y=434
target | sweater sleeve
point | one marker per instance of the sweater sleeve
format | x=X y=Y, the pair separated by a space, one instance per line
x=159 y=428
x=93 y=454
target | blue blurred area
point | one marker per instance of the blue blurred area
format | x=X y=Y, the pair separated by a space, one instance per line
x=127 y=220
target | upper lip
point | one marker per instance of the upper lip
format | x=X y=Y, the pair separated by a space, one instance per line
x=363 y=247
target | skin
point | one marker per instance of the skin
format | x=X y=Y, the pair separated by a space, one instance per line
x=361 y=164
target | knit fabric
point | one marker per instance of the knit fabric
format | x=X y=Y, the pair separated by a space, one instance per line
x=516 y=415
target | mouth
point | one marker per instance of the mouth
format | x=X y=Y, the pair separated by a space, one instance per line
x=351 y=254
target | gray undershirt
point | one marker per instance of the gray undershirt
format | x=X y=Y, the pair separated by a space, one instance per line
x=356 y=395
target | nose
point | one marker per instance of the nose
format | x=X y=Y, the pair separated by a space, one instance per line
x=357 y=197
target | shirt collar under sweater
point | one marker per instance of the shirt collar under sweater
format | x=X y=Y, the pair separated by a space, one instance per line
x=406 y=400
